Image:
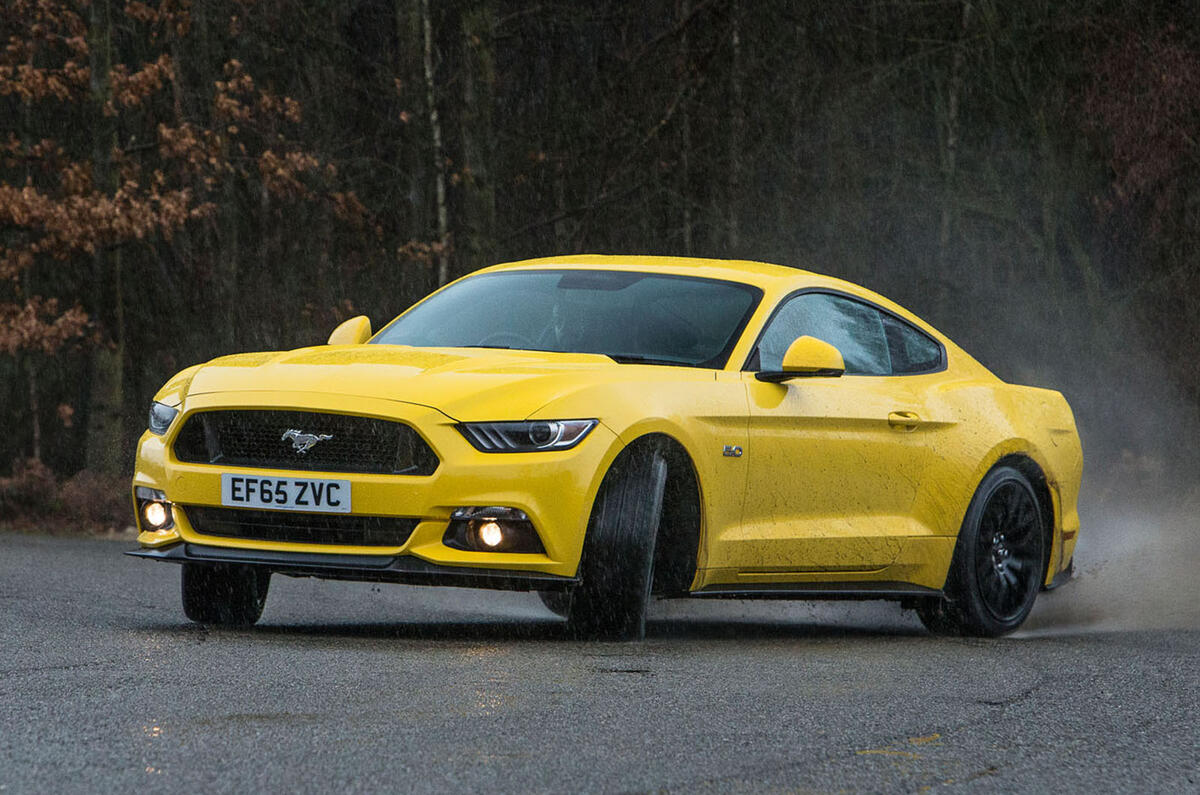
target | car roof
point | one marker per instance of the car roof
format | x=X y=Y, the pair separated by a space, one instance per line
x=760 y=274
x=775 y=281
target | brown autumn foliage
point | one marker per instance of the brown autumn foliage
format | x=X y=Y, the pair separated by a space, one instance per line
x=1145 y=98
x=38 y=325
x=58 y=212
x=86 y=502
x=94 y=502
x=100 y=164
x=31 y=489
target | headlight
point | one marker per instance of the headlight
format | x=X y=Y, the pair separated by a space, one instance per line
x=161 y=416
x=525 y=437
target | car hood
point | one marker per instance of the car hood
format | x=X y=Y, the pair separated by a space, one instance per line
x=466 y=384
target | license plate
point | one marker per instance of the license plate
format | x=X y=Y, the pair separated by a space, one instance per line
x=286 y=494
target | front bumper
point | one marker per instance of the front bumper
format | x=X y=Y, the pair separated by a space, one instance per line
x=555 y=489
x=370 y=568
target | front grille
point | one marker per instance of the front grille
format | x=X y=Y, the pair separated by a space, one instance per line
x=302 y=528
x=262 y=438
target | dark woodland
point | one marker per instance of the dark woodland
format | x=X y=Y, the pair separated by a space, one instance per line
x=181 y=180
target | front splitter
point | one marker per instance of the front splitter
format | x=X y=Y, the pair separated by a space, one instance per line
x=404 y=569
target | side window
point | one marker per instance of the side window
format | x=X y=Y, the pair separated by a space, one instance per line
x=912 y=351
x=853 y=328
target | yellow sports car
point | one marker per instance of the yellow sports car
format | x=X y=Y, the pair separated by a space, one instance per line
x=604 y=430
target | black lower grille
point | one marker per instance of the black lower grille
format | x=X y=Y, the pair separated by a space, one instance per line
x=303 y=528
x=305 y=440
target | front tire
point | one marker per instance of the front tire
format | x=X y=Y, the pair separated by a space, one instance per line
x=618 y=552
x=557 y=602
x=224 y=594
x=999 y=561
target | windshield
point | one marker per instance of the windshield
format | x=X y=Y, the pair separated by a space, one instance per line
x=632 y=317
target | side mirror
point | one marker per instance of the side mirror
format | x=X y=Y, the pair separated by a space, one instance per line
x=354 y=331
x=807 y=357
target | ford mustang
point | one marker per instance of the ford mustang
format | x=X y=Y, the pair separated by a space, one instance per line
x=608 y=430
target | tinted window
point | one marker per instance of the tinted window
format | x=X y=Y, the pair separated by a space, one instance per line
x=912 y=351
x=853 y=328
x=629 y=316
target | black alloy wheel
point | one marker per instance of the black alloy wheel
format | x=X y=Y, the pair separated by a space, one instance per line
x=999 y=561
x=1008 y=554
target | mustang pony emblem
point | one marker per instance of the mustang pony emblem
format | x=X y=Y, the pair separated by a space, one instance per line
x=302 y=442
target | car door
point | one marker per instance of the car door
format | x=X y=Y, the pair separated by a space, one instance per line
x=833 y=464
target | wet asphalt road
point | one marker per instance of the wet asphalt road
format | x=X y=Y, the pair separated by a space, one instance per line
x=104 y=686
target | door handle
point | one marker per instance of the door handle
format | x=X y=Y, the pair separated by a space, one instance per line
x=904 y=420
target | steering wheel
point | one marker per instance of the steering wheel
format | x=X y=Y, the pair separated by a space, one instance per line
x=508 y=339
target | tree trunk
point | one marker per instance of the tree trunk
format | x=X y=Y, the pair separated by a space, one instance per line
x=106 y=393
x=950 y=151
x=35 y=419
x=562 y=235
x=35 y=422
x=477 y=217
x=412 y=219
x=685 y=124
x=442 y=257
x=737 y=123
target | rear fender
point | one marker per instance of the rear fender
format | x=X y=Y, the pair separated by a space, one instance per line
x=1049 y=452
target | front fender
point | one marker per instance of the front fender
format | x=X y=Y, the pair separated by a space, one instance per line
x=705 y=412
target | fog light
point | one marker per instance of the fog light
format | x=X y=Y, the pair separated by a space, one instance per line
x=155 y=514
x=153 y=510
x=492 y=529
x=490 y=534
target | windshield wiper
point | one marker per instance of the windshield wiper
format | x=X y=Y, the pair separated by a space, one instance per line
x=632 y=358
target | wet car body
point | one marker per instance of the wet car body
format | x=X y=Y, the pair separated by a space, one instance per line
x=720 y=428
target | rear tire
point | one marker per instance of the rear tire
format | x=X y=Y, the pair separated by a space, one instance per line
x=224 y=594
x=999 y=561
x=618 y=552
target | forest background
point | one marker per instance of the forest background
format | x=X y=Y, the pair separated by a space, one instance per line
x=181 y=180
